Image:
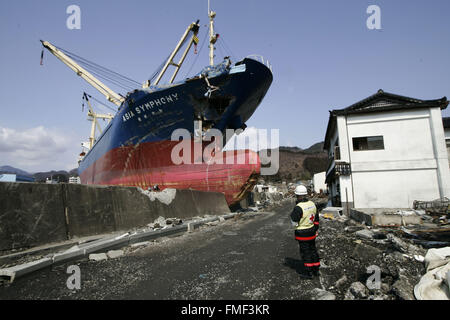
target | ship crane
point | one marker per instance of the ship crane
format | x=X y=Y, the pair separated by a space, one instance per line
x=93 y=116
x=93 y=81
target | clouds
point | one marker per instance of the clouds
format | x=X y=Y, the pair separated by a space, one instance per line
x=37 y=149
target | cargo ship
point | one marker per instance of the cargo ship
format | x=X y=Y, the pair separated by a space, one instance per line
x=136 y=148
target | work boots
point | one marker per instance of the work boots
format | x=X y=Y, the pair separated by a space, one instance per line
x=315 y=271
x=306 y=274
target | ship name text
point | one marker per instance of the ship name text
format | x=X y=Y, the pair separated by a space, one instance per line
x=148 y=106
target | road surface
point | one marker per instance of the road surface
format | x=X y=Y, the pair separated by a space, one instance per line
x=254 y=256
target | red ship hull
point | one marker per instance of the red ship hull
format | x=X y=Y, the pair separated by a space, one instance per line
x=150 y=164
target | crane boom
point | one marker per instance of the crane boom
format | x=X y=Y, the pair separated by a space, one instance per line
x=93 y=81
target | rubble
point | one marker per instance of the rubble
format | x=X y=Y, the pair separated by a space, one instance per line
x=365 y=234
x=405 y=247
x=352 y=229
x=366 y=253
x=404 y=288
x=98 y=256
x=112 y=254
x=357 y=291
x=341 y=282
x=140 y=244
x=320 y=294
x=160 y=222
x=350 y=247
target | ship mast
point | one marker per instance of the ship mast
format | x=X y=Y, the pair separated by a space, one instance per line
x=93 y=81
x=212 y=36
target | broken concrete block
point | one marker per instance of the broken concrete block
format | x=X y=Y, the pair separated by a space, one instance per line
x=366 y=253
x=341 y=282
x=174 y=221
x=358 y=290
x=320 y=294
x=98 y=256
x=385 y=288
x=140 y=244
x=379 y=297
x=112 y=254
x=403 y=289
x=352 y=229
x=17 y=271
x=160 y=222
x=364 y=234
x=404 y=246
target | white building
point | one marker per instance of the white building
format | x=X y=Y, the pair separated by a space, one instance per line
x=387 y=151
x=7 y=177
x=319 y=182
x=446 y=123
x=75 y=180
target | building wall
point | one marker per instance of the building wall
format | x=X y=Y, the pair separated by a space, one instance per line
x=447 y=141
x=6 y=177
x=409 y=168
x=319 y=182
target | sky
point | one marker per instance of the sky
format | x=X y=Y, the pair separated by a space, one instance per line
x=323 y=55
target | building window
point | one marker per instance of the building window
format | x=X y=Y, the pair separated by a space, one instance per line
x=368 y=143
x=337 y=153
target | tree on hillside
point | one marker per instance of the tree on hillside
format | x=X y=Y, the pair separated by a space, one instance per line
x=315 y=165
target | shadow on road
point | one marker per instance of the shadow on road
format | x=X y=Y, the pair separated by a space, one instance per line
x=295 y=264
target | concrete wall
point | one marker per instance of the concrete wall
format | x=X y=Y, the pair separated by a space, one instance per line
x=30 y=214
x=36 y=214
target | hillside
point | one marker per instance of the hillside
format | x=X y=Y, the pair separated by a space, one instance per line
x=61 y=175
x=9 y=169
x=297 y=164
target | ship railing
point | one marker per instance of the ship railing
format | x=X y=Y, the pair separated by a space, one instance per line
x=260 y=58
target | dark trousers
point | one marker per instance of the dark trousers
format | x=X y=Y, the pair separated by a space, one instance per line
x=308 y=253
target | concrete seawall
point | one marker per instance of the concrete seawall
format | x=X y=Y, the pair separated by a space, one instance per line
x=37 y=214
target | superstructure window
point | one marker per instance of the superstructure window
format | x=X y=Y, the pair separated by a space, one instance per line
x=368 y=143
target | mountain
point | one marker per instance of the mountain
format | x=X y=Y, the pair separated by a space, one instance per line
x=61 y=175
x=9 y=169
x=315 y=148
x=298 y=164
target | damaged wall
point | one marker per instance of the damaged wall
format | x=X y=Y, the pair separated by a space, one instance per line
x=37 y=214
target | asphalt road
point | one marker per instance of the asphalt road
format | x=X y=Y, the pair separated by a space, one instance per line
x=254 y=256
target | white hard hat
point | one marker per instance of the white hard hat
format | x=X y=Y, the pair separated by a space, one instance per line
x=301 y=190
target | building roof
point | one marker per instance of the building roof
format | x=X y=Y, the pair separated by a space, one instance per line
x=380 y=102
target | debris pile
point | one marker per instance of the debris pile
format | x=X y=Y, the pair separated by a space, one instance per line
x=360 y=262
x=435 y=284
